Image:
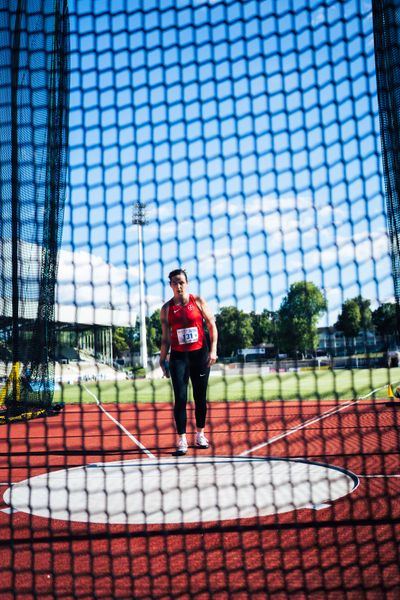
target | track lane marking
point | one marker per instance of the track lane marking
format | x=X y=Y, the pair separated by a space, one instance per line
x=379 y=475
x=305 y=424
x=298 y=428
x=118 y=424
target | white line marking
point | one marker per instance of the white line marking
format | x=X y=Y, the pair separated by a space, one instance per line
x=9 y=510
x=118 y=424
x=387 y=476
x=316 y=506
x=324 y=415
x=298 y=428
x=373 y=392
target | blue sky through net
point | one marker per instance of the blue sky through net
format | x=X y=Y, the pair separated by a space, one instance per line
x=250 y=130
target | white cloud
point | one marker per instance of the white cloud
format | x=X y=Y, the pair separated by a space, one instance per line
x=85 y=278
x=358 y=249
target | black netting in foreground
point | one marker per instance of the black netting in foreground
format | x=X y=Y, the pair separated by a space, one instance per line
x=387 y=40
x=34 y=55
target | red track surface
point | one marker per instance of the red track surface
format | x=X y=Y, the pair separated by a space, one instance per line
x=350 y=549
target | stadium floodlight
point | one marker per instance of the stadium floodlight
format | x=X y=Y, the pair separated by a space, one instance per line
x=139 y=219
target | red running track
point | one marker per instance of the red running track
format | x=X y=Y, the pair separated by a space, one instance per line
x=349 y=548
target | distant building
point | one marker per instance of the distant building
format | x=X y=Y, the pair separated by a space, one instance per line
x=333 y=343
x=258 y=353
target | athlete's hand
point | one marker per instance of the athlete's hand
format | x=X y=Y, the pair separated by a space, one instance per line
x=212 y=359
x=165 y=368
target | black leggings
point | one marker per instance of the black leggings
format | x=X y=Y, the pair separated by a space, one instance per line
x=182 y=366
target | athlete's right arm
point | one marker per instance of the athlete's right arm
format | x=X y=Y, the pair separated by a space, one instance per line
x=165 y=337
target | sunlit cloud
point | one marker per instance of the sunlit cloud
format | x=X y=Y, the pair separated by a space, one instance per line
x=85 y=278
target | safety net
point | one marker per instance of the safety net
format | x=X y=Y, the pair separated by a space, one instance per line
x=34 y=96
x=200 y=264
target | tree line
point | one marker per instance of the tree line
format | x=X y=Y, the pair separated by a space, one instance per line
x=292 y=329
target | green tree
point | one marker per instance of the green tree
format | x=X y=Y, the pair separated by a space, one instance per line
x=263 y=327
x=298 y=317
x=355 y=316
x=153 y=327
x=235 y=330
x=131 y=335
x=349 y=320
x=365 y=312
x=153 y=334
x=120 y=343
x=384 y=319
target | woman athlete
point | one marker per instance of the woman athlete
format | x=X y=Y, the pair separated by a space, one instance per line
x=182 y=321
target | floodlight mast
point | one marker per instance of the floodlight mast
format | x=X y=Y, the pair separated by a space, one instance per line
x=139 y=219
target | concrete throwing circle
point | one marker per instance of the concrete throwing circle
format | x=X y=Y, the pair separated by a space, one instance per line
x=180 y=490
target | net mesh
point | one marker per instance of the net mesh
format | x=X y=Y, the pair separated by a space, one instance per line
x=33 y=129
x=386 y=31
x=254 y=144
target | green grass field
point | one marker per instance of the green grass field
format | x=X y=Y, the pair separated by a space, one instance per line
x=321 y=385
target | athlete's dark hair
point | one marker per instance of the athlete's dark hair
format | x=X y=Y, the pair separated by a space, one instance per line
x=178 y=272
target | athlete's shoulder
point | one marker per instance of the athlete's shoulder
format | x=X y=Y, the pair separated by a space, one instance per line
x=165 y=307
x=197 y=299
x=204 y=309
x=200 y=302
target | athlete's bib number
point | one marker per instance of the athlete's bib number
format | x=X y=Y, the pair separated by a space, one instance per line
x=188 y=336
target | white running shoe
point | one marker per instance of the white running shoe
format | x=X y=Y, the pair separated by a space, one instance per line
x=201 y=441
x=182 y=447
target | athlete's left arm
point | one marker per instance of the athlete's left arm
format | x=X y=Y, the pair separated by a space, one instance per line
x=212 y=328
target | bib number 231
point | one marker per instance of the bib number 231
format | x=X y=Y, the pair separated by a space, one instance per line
x=188 y=336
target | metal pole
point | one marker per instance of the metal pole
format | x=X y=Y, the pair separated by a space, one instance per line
x=143 y=334
x=139 y=219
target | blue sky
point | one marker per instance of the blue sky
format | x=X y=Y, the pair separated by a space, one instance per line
x=251 y=131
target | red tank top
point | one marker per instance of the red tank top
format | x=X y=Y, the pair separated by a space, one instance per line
x=186 y=323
